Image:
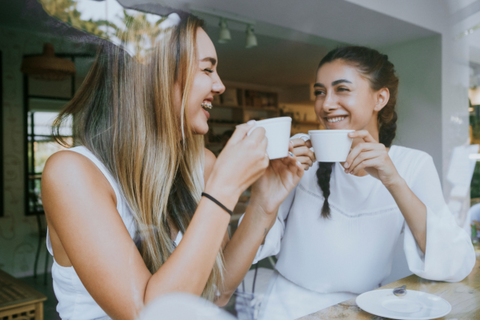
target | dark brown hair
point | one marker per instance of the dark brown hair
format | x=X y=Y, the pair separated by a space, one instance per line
x=381 y=74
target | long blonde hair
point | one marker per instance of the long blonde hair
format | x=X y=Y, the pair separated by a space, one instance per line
x=125 y=114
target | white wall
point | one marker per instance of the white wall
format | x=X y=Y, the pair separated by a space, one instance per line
x=419 y=106
x=430 y=14
x=436 y=15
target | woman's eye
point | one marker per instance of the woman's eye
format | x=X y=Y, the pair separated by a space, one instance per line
x=208 y=70
x=318 y=92
x=343 y=89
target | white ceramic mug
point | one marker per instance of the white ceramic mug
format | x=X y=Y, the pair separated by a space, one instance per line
x=277 y=131
x=329 y=145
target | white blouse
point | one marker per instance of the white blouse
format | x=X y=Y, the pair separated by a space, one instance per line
x=335 y=259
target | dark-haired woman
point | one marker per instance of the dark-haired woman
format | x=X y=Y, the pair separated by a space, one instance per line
x=335 y=234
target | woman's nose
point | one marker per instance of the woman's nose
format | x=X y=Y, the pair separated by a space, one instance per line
x=329 y=103
x=218 y=86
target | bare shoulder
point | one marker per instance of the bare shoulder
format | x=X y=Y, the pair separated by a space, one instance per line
x=64 y=162
x=209 y=163
x=70 y=174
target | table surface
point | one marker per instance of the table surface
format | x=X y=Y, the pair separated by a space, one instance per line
x=14 y=292
x=464 y=296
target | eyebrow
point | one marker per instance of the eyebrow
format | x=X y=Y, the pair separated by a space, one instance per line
x=213 y=61
x=334 y=83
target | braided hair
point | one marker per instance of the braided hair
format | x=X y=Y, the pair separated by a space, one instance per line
x=381 y=74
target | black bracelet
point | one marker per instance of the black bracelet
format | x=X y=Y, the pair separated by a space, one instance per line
x=217 y=202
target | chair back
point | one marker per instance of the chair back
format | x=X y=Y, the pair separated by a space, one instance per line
x=36 y=207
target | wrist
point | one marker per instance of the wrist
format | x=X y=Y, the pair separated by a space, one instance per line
x=259 y=217
x=262 y=211
x=226 y=195
x=396 y=183
x=263 y=202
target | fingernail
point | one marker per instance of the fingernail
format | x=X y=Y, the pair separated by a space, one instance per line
x=298 y=163
x=346 y=165
x=251 y=121
x=290 y=154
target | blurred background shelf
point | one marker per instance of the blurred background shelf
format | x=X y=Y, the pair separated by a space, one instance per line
x=303 y=122
x=222 y=124
x=235 y=106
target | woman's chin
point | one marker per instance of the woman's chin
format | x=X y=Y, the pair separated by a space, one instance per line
x=201 y=130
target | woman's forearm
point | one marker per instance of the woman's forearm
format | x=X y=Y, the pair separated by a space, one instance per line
x=242 y=248
x=413 y=210
x=190 y=265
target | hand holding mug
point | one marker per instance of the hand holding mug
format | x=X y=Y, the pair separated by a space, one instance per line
x=277 y=131
x=301 y=150
x=242 y=161
x=372 y=156
x=328 y=145
x=279 y=179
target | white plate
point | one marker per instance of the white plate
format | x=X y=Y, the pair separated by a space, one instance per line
x=414 y=305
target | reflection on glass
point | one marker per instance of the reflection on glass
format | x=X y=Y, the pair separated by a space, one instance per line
x=41 y=145
x=134 y=31
x=139 y=34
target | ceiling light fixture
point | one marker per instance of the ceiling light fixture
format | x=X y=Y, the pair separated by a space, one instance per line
x=251 y=40
x=468 y=31
x=224 y=35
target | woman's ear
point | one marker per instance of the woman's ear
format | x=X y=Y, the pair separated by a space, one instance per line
x=382 y=97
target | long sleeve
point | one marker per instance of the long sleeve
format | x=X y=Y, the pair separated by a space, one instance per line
x=274 y=237
x=449 y=254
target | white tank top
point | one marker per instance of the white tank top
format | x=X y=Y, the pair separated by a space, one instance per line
x=74 y=301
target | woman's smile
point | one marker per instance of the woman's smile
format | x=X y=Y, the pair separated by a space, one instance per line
x=206 y=105
x=344 y=98
x=336 y=121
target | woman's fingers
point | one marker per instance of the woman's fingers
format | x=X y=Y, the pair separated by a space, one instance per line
x=361 y=147
x=242 y=161
x=306 y=162
x=362 y=134
x=287 y=160
x=366 y=164
x=263 y=147
x=241 y=132
x=301 y=149
x=361 y=158
x=298 y=142
x=291 y=163
x=296 y=160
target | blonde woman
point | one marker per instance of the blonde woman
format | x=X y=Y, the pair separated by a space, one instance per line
x=139 y=208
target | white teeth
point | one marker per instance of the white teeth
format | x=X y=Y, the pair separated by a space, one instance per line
x=206 y=105
x=335 y=119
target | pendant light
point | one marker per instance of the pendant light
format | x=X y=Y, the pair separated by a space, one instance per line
x=224 y=35
x=47 y=66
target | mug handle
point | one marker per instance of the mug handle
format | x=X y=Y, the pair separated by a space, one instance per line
x=305 y=137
